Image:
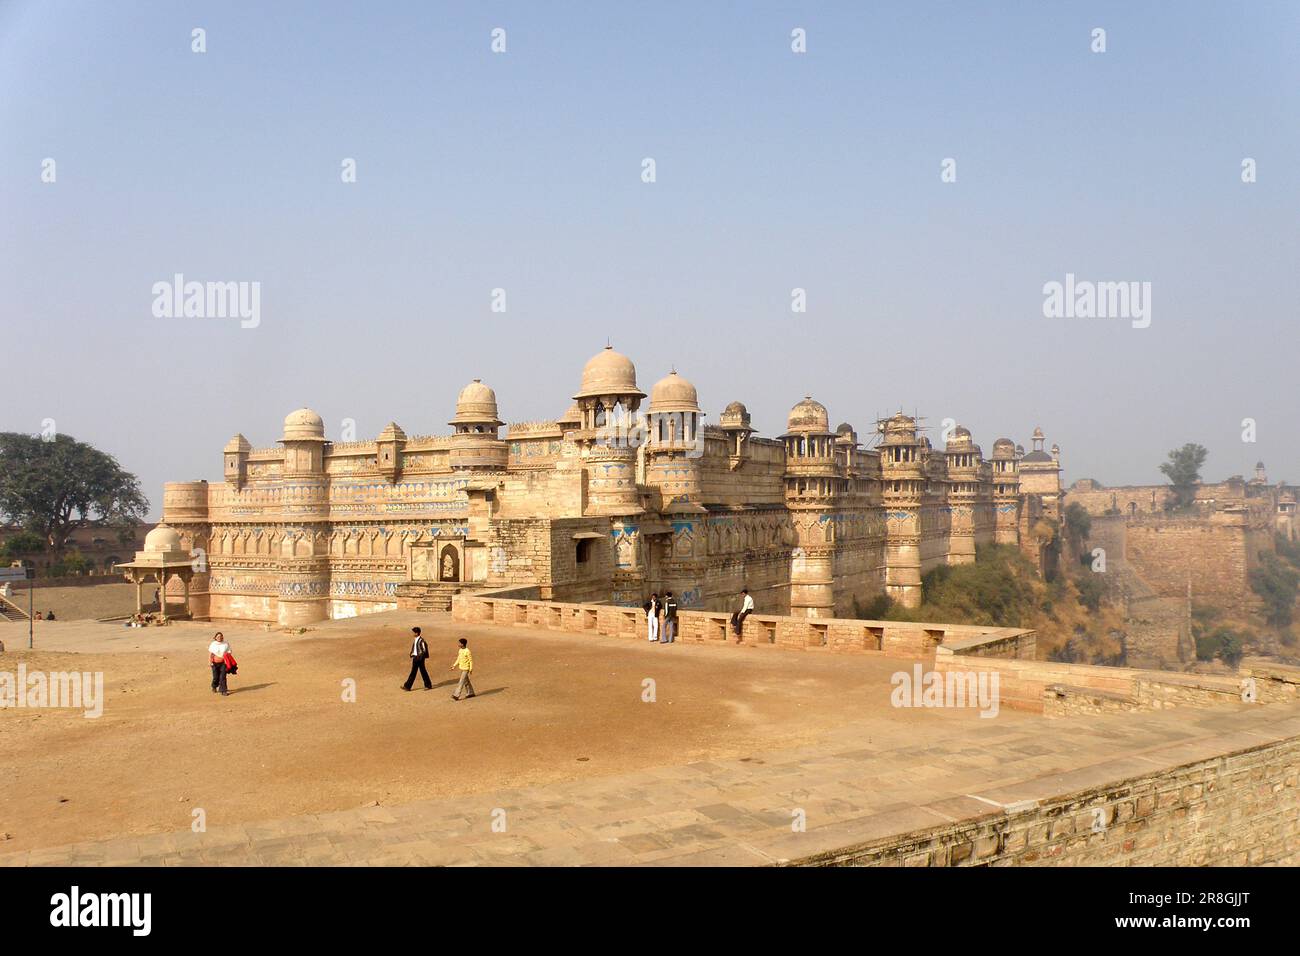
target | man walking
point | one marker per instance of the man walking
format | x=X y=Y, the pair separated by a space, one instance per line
x=217 y=652
x=465 y=664
x=670 y=619
x=746 y=609
x=419 y=654
x=652 y=618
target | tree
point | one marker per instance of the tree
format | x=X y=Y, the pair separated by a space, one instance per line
x=24 y=542
x=1078 y=522
x=52 y=488
x=1277 y=584
x=1183 y=469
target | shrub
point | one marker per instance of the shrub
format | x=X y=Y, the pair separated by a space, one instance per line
x=1091 y=590
x=1223 y=643
x=1276 y=583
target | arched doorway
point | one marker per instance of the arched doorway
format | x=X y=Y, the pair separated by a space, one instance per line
x=449 y=563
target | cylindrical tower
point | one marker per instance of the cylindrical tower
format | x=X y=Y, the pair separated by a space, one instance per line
x=304 y=515
x=1006 y=492
x=812 y=487
x=609 y=435
x=185 y=509
x=902 y=464
x=674 y=444
x=964 y=467
x=475 y=445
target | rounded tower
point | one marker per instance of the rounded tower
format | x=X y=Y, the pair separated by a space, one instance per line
x=674 y=443
x=304 y=514
x=967 y=496
x=475 y=446
x=812 y=487
x=609 y=435
x=903 y=480
x=1006 y=492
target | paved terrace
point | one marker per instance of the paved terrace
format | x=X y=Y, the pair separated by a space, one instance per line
x=890 y=771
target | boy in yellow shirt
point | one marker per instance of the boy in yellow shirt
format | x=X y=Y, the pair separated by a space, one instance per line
x=465 y=663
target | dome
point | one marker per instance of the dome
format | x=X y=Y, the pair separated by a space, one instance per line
x=960 y=438
x=572 y=416
x=608 y=373
x=303 y=425
x=672 y=393
x=476 y=404
x=809 y=416
x=1004 y=448
x=735 y=415
x=899 y=428
x=162 y=538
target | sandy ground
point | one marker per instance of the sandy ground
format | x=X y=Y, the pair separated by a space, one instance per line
x=550 y=707
x=73 y=604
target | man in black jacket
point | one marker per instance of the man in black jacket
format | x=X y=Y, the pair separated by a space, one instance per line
x=419 y=654
x=670 y=619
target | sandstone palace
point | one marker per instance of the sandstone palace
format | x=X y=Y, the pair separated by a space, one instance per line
x=606 y=503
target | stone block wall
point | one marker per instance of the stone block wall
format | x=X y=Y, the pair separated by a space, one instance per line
x=1215 y=557
x=1237 y=809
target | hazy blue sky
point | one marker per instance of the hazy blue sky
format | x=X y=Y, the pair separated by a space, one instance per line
x=775 y=170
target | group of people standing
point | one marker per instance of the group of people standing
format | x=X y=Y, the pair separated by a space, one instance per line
x=667 y=607
x=653 y=609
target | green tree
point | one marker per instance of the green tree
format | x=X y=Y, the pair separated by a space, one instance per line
x=24 y=542
x=1277 y=584
x=1183 y=469
x=993 y=590
x=1078 y=522
x=52 y=488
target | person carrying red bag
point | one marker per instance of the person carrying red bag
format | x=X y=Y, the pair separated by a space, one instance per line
x=222 y=663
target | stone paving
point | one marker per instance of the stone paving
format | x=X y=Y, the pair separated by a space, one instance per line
x=862 y=782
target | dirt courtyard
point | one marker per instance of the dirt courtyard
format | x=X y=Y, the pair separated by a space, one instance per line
x=550 y=707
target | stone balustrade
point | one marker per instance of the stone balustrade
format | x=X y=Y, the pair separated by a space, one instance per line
x=836 y=635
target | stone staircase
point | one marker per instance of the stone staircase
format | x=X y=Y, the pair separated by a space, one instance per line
x=9 y=611
x=427 y=596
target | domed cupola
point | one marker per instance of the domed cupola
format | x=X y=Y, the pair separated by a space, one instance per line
x=303 y=425
x=672 y=393
x=609 y=373
x=476 y=409
x=809 y=417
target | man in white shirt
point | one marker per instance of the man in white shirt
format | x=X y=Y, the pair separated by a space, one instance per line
x=217 y=652
x=652 y=618
x=746 y=609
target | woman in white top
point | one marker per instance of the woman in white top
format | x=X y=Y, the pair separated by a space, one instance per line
x=217 y=652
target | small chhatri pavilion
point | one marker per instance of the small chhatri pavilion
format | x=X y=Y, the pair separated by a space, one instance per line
x=163 y=559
